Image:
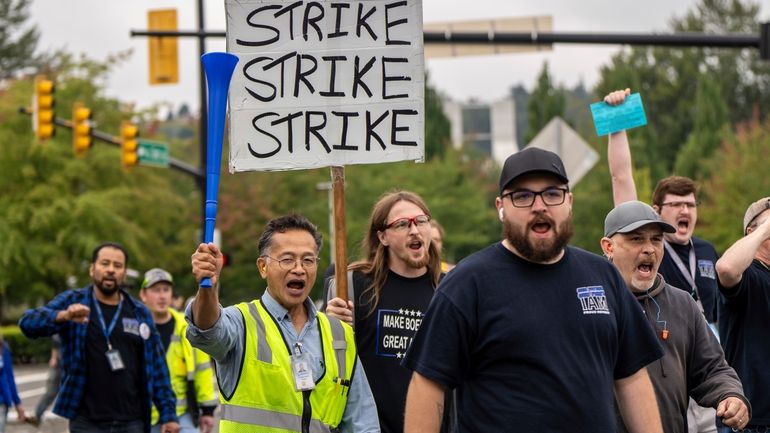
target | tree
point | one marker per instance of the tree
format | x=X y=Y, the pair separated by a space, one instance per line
x=57 y=208
x=17 y=41
x=668 y=81
x=545 y=103
x=739 y=177
x=711 y=116
x=437 y=128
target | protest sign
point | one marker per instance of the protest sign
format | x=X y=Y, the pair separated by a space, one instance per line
x=325 y=83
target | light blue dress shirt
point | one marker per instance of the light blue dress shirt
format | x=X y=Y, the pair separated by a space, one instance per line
x=224 y=342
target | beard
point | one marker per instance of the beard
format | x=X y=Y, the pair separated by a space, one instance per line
x=106 y=290
x=539 y=250
x=418 y=263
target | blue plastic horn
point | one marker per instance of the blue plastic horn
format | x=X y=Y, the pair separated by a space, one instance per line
x=219 y=70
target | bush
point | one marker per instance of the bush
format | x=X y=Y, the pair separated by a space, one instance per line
x=23 y=349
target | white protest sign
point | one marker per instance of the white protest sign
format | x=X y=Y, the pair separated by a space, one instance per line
x=325 y=83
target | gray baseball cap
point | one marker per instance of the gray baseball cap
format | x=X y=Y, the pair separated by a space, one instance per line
x=754 y=210
x=629 y=216
x=156 y=275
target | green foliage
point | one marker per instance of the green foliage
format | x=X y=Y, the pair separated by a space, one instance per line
x=739 y=177
x=711 y=116
x=23 y=349
x=57 y=208
x=17 y=41
x=437 y=128
x=668 y=80
x=545 y=103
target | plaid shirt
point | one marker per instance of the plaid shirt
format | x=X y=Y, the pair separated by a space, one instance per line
x=41 y=322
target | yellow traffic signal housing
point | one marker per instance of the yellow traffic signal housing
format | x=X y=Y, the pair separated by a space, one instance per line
x=42 y=108
x=129 y=144
x=81 y=128
x=163 y=52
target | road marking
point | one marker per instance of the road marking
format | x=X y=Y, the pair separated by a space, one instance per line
x=32 y=393
x=29 y=378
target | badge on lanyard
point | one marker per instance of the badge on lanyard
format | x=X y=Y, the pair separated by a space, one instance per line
x=113 y=355
x=301 y=369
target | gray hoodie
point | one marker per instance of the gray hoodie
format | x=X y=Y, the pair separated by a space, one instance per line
x=693 y=363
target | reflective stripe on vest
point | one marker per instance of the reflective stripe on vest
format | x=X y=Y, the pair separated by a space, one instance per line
x=338 y=343
x=269 y=419
x=264 y=353
x=265 y=400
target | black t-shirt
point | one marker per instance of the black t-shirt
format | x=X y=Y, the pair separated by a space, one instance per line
x=166 y=330
x=383 y=335
x=744 y=327
x=705 y=274
x=533 y=347
x=114 y=395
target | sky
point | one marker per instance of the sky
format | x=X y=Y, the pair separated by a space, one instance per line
x=100 y=28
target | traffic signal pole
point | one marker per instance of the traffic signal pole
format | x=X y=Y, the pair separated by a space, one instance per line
x=176 y=164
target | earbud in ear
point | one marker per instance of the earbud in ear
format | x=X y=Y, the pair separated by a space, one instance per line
x=501 y=213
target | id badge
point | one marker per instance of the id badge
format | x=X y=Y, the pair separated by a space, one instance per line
x=303 y=374
x=116 y=362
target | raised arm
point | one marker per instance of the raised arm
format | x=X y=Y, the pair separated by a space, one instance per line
x=738 y=257
x=424 y=405
x=637 y=404
x=206 y=262
x=619 y=157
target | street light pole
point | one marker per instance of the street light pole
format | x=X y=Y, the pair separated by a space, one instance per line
x=203 y=120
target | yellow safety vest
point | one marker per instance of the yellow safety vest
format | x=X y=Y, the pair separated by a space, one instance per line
x=187 y=363
x=264 y=399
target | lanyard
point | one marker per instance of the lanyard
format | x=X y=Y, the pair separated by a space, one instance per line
x=108 y=330
x=688 y=275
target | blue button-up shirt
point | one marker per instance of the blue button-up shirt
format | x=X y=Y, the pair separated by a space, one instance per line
x=225 y=343
x=41 y=322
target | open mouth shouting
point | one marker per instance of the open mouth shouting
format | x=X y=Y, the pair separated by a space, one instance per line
x=683 y=225
x=296 y=286
x=541 y=226
x=646 y=269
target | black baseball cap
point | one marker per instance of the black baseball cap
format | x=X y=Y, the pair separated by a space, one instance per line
x=531 y=160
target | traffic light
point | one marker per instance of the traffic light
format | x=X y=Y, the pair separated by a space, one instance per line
x=81 y=128
x=42 y=108
x=129 y=144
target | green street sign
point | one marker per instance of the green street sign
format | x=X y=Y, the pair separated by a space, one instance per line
x=153 y=153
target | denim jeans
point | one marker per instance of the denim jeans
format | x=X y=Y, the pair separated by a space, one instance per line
x=185 y=425
x=3 y=417
x=83 y=425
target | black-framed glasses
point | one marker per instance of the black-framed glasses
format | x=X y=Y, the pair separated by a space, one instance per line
x=289 y=263
x=681 y=204
x=552 y=196
x=403 y=224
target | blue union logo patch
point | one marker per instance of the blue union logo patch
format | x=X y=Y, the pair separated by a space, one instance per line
x=592 y=300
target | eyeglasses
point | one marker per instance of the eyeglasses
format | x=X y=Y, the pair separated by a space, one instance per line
x=552 y=196
x=681 y=204
x=403 y=224
x=289 y=263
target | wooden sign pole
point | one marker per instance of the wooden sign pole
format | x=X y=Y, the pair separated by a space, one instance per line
x=340 y=233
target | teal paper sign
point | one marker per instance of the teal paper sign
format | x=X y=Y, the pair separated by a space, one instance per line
x=613 y=118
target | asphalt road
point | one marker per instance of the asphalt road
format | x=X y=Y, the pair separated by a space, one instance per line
x=30 y=381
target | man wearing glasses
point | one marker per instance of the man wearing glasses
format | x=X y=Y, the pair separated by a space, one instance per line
x=392 y=287
x=688 y=262
x=281 y=365
x=534 y=334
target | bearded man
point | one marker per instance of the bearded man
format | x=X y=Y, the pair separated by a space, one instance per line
x=534 y=335
x=392 y=287
x=112 y=357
